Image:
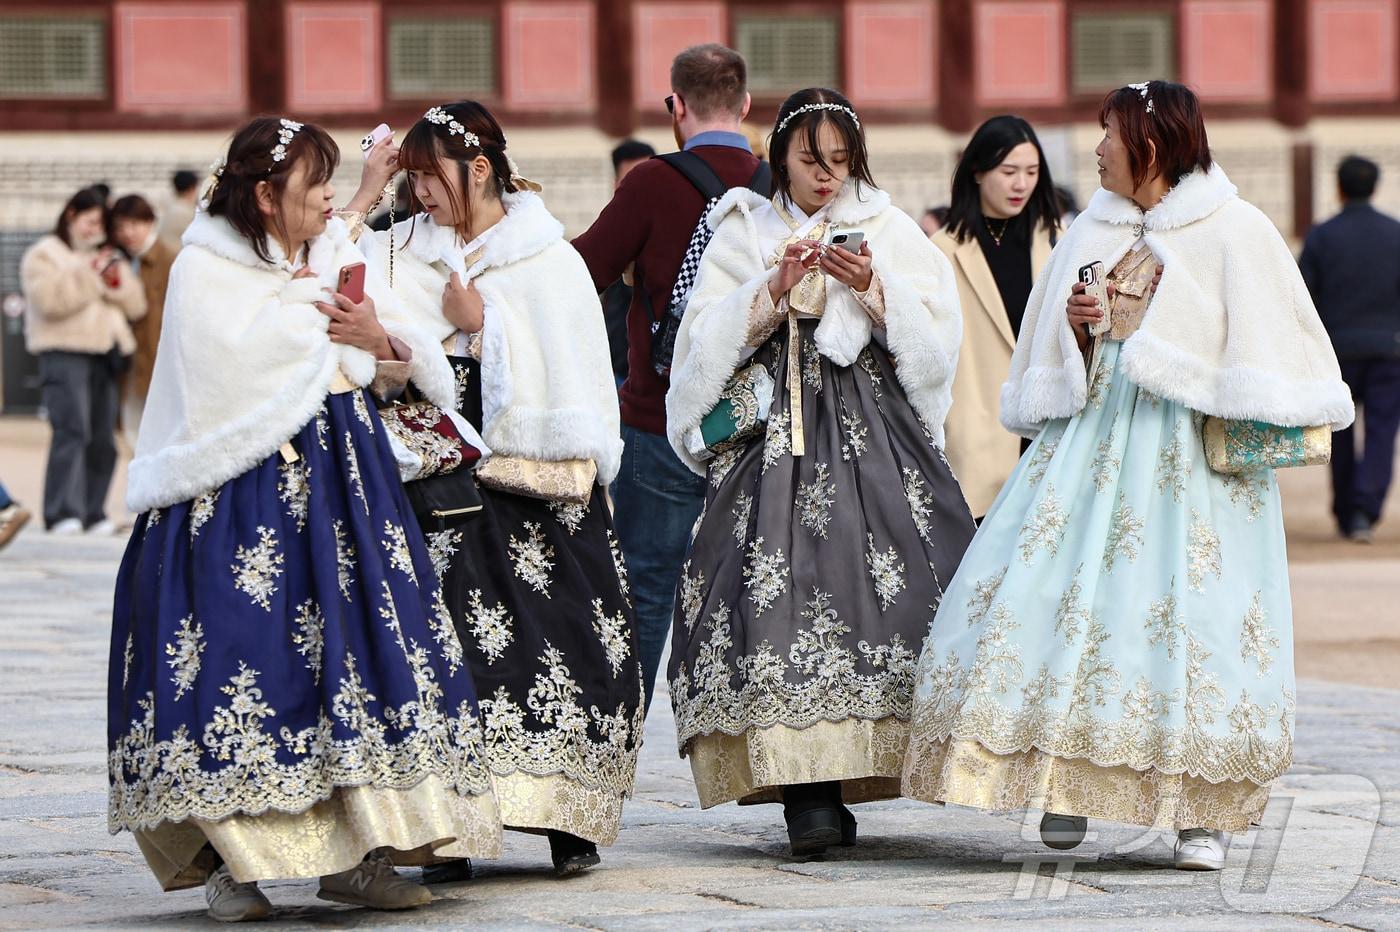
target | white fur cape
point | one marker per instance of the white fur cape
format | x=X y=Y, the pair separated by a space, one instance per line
x=244 y=360
x=1231 y=331
x=546 y=380
x=923 y=319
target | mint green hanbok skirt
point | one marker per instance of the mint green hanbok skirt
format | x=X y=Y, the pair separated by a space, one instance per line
x=1117 y=642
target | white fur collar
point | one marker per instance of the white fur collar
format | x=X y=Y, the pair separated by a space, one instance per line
x=527 y=229
x=855 y=203
x=218 y=236
x=1194 y=198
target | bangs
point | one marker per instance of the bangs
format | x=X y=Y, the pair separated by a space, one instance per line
x=320 y=152
x=419 y=150
x=846 y=133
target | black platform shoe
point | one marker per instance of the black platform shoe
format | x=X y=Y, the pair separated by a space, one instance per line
x=813 y=822
x=454 y=871
x=848 y=827
x=571 y=854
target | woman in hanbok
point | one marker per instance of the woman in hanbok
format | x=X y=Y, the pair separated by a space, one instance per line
x=826 y=539
x=535 y=583
x=1118 y=641
x=287 y=696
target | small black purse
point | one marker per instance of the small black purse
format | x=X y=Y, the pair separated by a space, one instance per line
x=444 y=502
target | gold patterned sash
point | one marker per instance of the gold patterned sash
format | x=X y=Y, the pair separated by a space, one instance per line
x=808 y=296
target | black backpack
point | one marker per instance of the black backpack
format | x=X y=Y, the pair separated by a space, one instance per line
x=698 y=172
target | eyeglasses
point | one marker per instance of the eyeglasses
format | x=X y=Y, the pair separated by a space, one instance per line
x=671 y=103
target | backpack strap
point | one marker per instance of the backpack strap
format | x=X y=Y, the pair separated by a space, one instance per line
x=762 y=180
x=698 y=172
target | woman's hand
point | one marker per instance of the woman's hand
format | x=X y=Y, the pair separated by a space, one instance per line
x=381 y=165
x=357 y=325
x=1082 y=309
x=798 y=259
x=851 y=269
x=462 y=305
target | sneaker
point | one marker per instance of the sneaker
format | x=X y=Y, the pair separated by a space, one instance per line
x=103 y=528
x=1199 y=849
x=1062 y=832
x=68 y=527
x=231 y=901
x=1359 y=529
x=12 y=518
x=374 y=883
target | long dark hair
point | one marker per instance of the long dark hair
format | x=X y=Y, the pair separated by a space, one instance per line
x=427 y=141
x=81 y=202
x=249 y=161
x=807 y=125
x=987 y=149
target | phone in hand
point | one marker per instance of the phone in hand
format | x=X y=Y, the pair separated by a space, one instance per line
x=1096 y=286
x=111 y=275
x=351 y=282
x=848 y=240
x=374 y=137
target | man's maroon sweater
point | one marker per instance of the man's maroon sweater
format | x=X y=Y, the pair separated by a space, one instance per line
x=649 y=222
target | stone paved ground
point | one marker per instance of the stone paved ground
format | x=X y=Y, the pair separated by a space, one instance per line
x=1329 y=856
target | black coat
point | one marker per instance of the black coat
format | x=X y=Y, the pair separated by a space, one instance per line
x=1351 y=264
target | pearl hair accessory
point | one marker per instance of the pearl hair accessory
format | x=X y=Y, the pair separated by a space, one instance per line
x=441 y=117
x=285 y=135
x=1142 y=89
x=808 y=108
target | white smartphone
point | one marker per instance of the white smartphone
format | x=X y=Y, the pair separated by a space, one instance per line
x=1096 y=286
x=374 y=137
x=849 y=240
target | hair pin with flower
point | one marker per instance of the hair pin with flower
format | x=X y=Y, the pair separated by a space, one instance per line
x=440 y=117
x=1143 y=88
x=285 y=135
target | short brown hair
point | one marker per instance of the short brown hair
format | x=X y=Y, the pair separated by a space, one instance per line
x=1175 y=127
x=712 y=79
x=133 y=207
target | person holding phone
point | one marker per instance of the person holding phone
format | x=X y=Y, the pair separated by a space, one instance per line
x=825 y=537
x=80 y=301
x=1001 y=225
x=1117 y=643
x=287 y=697
x=535 y=582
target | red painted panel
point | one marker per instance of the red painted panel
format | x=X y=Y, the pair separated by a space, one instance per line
x=334 y=57
x=1020 y=52
x=660 y=30
x=180 y=58
x=890 y=52
x=548 y=56
x=1353 y=49
x=1227 y=49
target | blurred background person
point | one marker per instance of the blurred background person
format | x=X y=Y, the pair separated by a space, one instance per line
x=1349 y=266
x=626 y=156
x=13 y=516
x=1067 y=204
x=933 y=219
x=133 y=225
x=1000 y=229
x=177 y=210
x=79 y=300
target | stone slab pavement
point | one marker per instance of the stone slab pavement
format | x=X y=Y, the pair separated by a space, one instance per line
x=1327 y=857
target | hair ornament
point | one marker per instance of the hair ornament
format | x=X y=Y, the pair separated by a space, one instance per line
x=216 y=173
x=519 y=181
x=440 y=117
x=1143 y=88
x=809 y=108
x=285 y=135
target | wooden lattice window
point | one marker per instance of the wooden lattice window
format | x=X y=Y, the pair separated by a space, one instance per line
x=1113 y=49
x=436 y=58
x=53 y=57
x=788 y=53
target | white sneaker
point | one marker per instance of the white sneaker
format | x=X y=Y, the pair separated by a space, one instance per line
x=1199 y=849
x=374 y=883
x=68 y=527
x=1062 y=832
x=231 y=901
x=103 y=528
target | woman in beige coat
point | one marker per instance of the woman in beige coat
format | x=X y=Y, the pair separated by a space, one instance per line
x=80 y=302
x=1000 y=230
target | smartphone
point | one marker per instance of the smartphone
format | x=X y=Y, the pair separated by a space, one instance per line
x=849 y=240
x=1096 y=286
x=110 y=275
x=351 y=282
x=374 y=137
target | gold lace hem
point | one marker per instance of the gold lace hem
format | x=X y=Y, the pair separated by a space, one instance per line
x=425 y=823
x=533 y=803
x=866 y=755
x=966 y=773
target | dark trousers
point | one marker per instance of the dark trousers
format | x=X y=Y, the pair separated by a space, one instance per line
x=80 y=394
x=656 y=500
x=1360 y=485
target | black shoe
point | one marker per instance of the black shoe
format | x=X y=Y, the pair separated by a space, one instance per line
x=1359 y=528
x=571 y=854
x=848 y=827
x=813 y=822
x=454 y=871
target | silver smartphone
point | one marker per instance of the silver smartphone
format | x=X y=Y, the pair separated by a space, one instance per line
x=849 y=240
